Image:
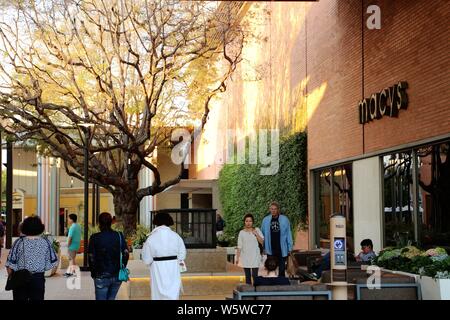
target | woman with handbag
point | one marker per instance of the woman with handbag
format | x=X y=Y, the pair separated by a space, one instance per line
x=108 y=257
x=249 y=251
x=30 y=256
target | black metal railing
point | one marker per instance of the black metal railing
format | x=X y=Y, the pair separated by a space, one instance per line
x=197 y=227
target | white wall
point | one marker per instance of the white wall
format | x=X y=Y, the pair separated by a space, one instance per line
x=367 y=202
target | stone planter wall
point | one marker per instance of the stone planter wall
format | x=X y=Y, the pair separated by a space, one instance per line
x=431 y=289
x=206 y=260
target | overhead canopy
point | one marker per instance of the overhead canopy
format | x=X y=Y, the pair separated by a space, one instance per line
x=192 y=186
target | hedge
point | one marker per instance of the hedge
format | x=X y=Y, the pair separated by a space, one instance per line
x=244 y=190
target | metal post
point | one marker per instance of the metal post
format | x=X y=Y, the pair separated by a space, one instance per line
x=94 y=204
x=86 y=201
x=97 y=197
x=1 y=173
x=415 y=190
x=9 y=194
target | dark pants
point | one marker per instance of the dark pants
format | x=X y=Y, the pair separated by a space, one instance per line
x=324 y=265
x=106 y=288
x=249 y=274
x=34 y=290
x=281 y=265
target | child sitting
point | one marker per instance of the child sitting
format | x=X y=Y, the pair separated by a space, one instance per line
x=367 y=253
x=271 y=265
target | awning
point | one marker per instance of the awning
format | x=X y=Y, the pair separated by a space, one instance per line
x=192 y=186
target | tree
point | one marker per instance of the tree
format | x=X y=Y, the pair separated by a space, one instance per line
x=126 y=69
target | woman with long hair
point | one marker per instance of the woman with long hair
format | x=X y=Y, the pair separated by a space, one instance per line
x=248 y=256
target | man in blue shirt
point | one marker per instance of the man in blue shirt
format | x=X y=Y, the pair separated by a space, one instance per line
x=276 y=229
x=73 y=242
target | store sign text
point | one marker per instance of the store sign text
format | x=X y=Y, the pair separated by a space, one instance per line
x=385 y=103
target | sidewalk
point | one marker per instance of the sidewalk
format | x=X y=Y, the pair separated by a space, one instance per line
x=58 y=287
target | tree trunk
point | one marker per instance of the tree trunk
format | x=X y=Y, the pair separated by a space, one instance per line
x=125 y=207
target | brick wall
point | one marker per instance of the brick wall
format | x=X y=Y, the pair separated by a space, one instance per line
x=319 y=59
x=412 y=45
x=334 y=61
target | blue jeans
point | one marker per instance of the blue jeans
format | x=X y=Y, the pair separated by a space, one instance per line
x=106 y=288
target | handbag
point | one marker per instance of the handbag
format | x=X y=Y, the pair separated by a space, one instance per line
x=183 y=267
x=291 y=269
x=20 y=278
x=124 y=273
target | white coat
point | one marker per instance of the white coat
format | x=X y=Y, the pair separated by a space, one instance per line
x=165 y=275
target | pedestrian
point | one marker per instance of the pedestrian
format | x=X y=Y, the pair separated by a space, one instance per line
x=107 y=249
x=2 y=236
x=164 y=252
x=276 y=229
x=248 y=250
x=73 y=242
x=220 y=225
x=34 y=253
x=271 y=278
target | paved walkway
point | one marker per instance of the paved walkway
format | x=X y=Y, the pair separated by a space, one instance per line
x=58 y=287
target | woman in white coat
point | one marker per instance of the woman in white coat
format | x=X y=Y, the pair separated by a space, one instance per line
x=164 y=252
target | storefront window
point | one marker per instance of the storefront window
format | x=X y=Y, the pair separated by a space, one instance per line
x=331 y=200
x=398 y=199
x=323 y=203
x=434 y=194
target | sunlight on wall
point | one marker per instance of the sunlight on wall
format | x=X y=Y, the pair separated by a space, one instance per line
x=314 y=99
x=268 y=90
x=24 y=173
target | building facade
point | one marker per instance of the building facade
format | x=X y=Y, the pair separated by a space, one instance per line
x=374 y=102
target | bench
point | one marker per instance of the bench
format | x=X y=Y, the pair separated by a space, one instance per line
x=295 y=291
x=391 y=286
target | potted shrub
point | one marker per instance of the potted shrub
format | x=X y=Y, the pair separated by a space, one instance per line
x=430 y=268
x=138 y=240
x=223 y=240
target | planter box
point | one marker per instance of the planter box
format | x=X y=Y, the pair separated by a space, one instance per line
x=431 y=289
x=434 y=289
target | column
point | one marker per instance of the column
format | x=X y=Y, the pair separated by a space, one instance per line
x=146 y=205
x=368 y=202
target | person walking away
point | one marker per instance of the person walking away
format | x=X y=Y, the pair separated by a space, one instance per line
x=164 y=252
x=105 y=248
x=276 y=229
x=73 y=242
x=248 y=251
x=35 y=254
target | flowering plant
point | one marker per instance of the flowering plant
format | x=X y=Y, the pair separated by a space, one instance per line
x=433 y=262
x=411 y=252
x=55 y=243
